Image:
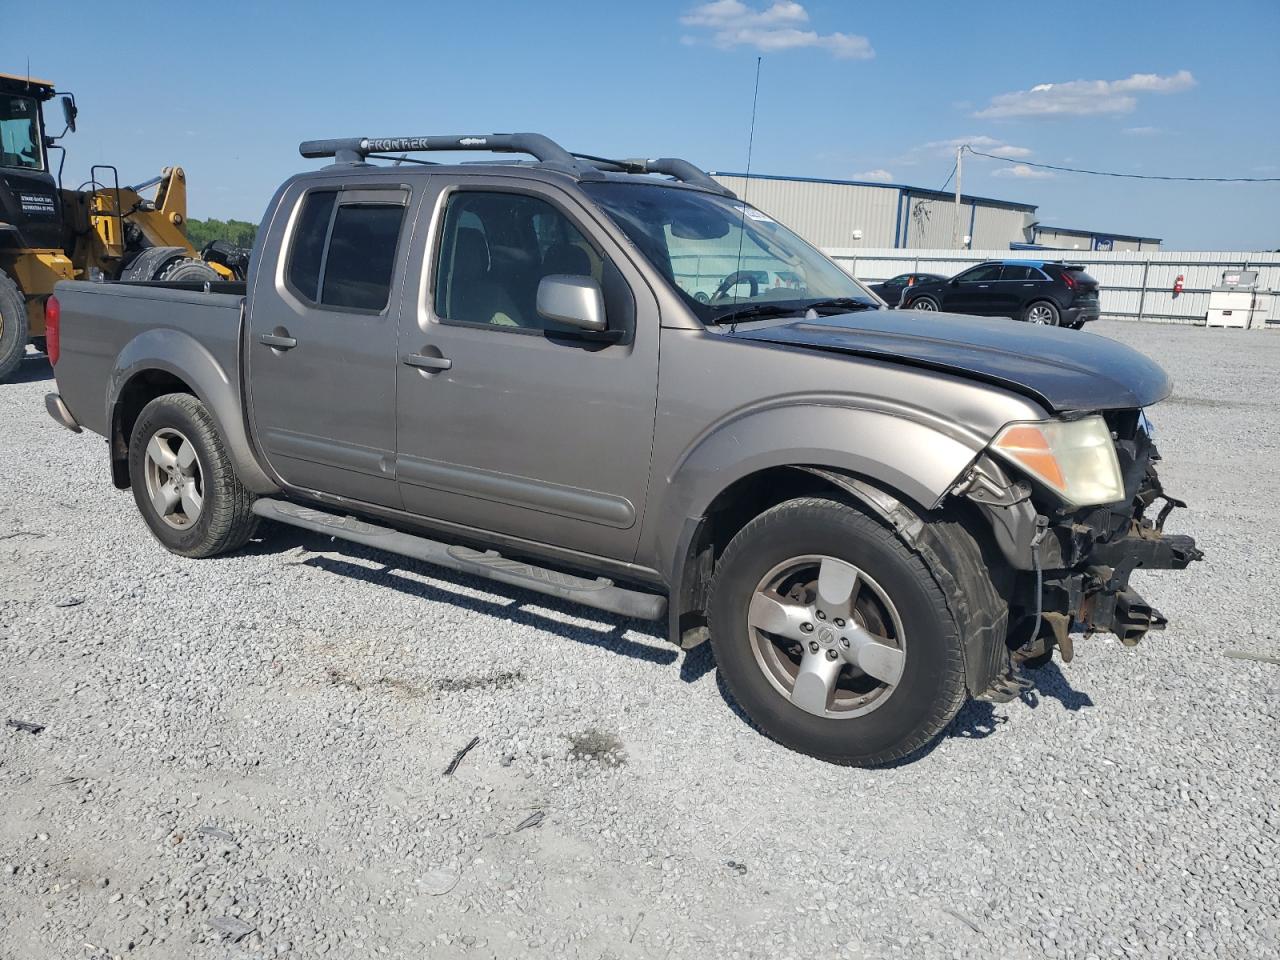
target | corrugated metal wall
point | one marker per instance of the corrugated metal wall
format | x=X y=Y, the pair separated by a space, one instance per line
x=1069 y=239
x=825 y=214
x=1135 y=285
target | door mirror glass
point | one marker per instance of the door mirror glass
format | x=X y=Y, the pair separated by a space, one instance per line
x=574 y=301
x=69 y=112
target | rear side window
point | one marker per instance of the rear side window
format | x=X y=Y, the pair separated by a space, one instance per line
x=309 y=235
x=1017 y=272
x=362 y=256
x=343 y=255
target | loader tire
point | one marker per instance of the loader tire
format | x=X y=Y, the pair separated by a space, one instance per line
x=13 y=326
x=189 y=270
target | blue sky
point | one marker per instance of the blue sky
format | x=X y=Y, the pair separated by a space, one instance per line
x=848 y=90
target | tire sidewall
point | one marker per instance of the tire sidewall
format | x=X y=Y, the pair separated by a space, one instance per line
x=915 y=304
x=932 y=644
x=158 y=414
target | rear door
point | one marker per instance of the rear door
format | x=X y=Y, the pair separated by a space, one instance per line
x=508 y=423
x=321 y=339
x=973 y=291
x=1019 y=284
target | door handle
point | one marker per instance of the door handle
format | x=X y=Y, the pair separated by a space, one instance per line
x=424 y=362
x=278 y=342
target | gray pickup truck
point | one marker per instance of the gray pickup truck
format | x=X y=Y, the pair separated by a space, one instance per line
x=614 y=382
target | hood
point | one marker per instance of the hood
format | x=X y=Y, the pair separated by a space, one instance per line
x=1064 y=370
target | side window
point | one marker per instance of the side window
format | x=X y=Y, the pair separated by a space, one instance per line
x=362 y=256
x=983 y=274
x=1015 y=272
x=306 y=250
x=343 y=255
x=494 y=250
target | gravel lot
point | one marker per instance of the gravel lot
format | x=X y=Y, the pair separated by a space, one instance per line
x=245 y=756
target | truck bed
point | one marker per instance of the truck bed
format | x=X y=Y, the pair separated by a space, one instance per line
x=108 y=329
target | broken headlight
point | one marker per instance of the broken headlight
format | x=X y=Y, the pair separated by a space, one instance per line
x=1076 y=459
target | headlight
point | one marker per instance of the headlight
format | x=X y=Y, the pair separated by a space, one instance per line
x=1074 y=458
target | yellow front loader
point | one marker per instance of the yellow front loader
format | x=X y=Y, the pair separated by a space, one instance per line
x=101 y=230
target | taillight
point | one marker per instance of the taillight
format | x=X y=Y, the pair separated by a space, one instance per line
x=1069 y=280
x=52 y=328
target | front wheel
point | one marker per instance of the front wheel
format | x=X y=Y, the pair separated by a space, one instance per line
x=13 y=326
x=1041 y=312
x=833 y=636
x=923 y=303
x=184 y=482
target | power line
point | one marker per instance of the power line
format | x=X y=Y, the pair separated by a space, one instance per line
x=1126 y=176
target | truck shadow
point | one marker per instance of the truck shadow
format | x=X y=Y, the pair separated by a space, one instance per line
x=978 y=719
x=523 y=607
x=33 y=368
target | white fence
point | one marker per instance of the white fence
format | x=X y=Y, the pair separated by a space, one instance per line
x=1135 y=285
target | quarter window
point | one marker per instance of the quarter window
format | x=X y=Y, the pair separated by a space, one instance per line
x=343 y=254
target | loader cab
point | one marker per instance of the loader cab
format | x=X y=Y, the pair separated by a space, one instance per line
x=30 y=205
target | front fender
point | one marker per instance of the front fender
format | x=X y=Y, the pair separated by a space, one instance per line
x=182 y=356
x=917 y=459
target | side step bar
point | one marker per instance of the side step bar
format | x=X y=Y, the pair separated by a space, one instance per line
x=600 y=593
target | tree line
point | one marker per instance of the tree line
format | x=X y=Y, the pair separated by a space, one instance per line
x=237 y=232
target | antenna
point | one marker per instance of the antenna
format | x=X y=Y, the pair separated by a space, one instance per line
x=746 y=188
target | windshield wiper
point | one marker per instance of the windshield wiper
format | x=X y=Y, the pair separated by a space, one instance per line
x=759 y=310
x=845 y=303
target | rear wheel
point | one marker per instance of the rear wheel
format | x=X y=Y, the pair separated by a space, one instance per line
x=183 y=480
x=13 y=326
x=833 y=636
x=1041 y=312
x=923 y=303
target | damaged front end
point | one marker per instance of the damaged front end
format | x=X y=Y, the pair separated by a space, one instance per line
x=1073 y=564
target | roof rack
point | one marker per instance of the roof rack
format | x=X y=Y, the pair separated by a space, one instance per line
x=542 y=148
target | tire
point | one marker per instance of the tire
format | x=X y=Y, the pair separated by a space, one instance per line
x=1043 y=313
x=924 y=303
x=898 y=719
x=13 y=326
x=189 y=270
x=208 y=511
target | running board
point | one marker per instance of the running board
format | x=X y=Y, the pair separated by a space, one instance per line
x=599 y=593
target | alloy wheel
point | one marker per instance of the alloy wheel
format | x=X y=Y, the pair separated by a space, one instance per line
x=174 y=485
x=827 y=636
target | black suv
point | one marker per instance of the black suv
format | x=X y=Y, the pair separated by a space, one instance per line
x=1038 y=291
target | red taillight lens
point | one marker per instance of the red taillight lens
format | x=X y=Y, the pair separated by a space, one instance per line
x=52 y=328
x=1069 y=280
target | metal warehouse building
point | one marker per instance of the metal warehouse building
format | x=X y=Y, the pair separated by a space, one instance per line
x=842 y=213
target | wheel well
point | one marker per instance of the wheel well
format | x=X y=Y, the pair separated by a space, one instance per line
x=741 y=502
x=731 y=510
x=141 y=389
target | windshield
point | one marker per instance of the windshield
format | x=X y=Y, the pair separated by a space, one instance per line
x=722 y=255
x=19 y=133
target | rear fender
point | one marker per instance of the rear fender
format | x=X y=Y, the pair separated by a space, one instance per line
x=182 y=356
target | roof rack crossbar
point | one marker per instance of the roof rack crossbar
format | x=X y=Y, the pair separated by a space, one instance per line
x=356 y=149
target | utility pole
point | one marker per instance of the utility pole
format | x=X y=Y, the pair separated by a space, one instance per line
x=956 y=234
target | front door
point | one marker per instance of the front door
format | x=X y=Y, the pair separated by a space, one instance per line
x=321 y=345
x=509 y=422
x=973 y=291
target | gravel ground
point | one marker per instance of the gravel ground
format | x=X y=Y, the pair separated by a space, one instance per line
x=245 y=756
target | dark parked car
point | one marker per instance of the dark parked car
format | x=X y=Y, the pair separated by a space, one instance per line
x=1037 y=291
x=891 y=290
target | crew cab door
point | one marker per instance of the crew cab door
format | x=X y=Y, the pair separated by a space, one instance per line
x=321 y=339
x=509 y=422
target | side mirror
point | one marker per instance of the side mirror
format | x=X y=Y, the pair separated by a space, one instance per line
x=69 y=112
x=574 y=301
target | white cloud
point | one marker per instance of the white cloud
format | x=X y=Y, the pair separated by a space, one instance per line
x=779 y=26
x=1082 y=98
x=1022 y=171
x=1142 y=131
x=878 y=175
x=984 y=143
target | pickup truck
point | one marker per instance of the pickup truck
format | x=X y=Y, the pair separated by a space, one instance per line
x=614 y=382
